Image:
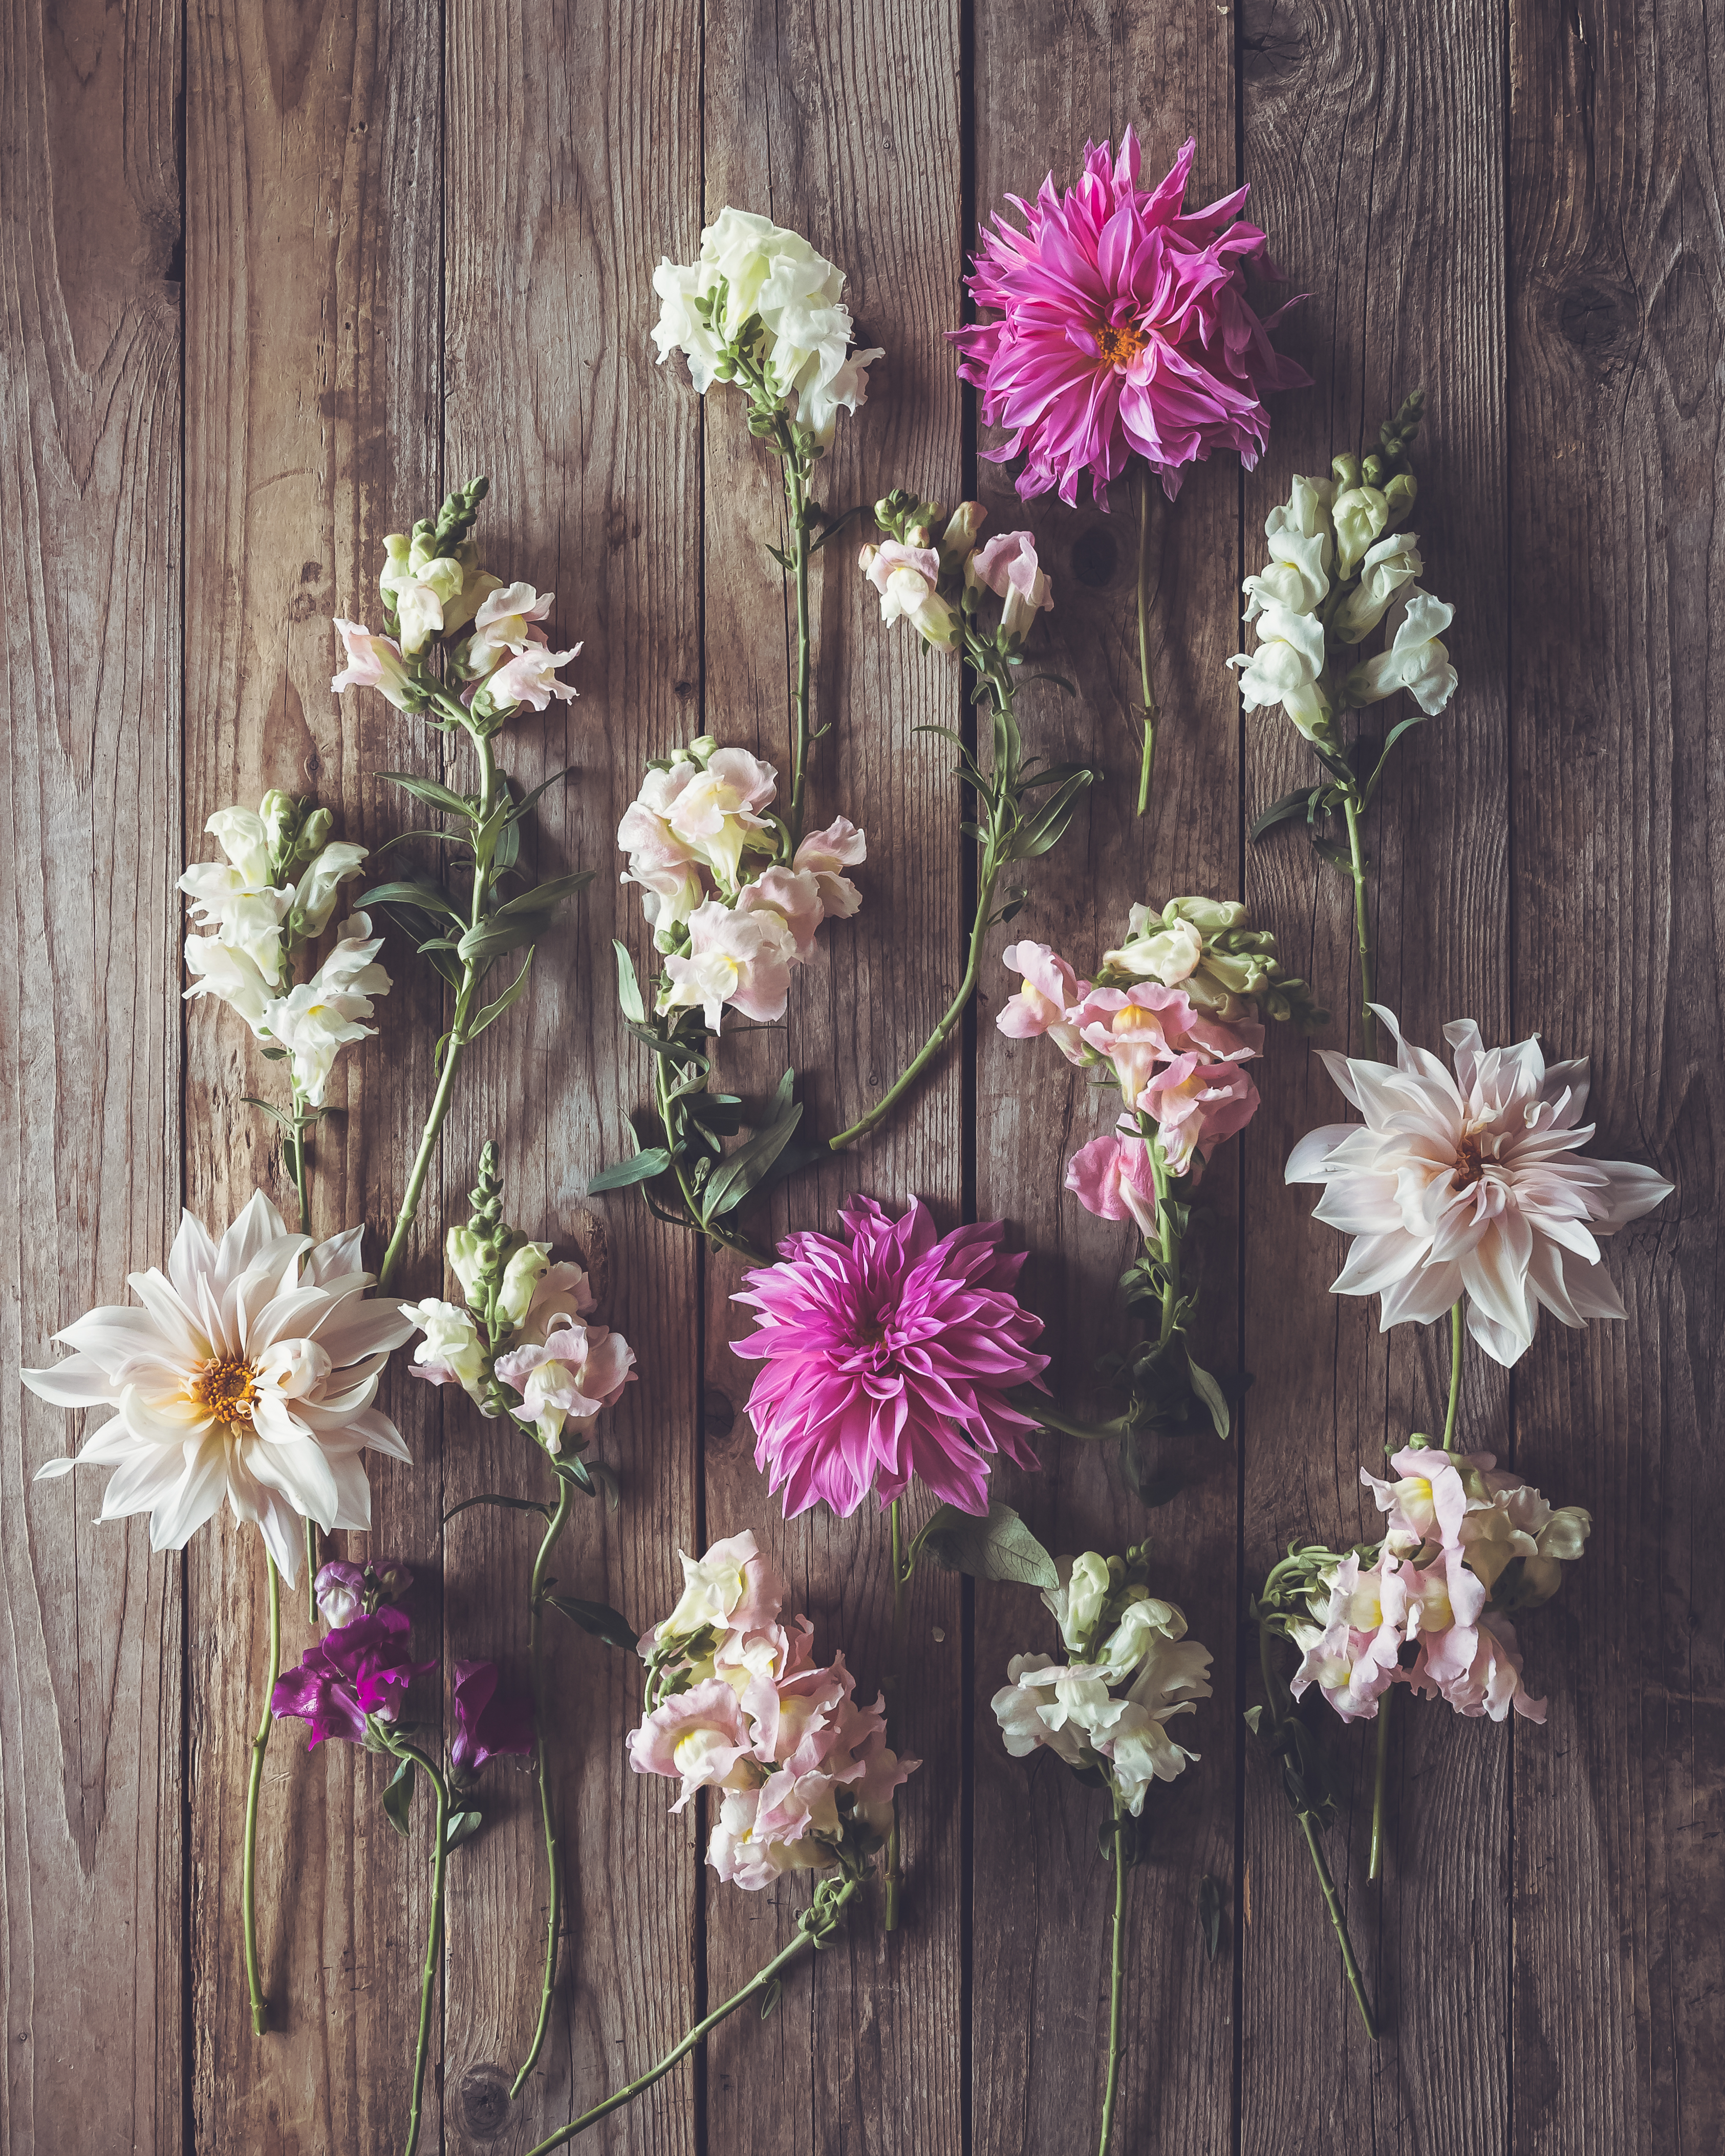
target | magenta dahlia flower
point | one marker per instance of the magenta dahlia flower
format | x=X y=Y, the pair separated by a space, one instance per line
x=1122 y=325
x=890 y=1354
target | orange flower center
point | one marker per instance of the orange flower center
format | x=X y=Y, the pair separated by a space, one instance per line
x=1470 y=1161
x=1118 y=344
x=227 y=1389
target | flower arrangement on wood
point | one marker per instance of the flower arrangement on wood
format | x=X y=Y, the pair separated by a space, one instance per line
x=801 y=1773
x=1116 y=328
x=1170 y=1023
x=1341 y=567
x=464 y=651
x=1105 y=1713
x=248 y=1376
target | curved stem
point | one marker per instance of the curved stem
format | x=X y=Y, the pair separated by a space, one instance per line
x=930 y=1048
x=457 y=1038
x=1362 y=926
x=1356 y=1982
x=1116 y=2041
x=249 y=1876
x=1455 y=1375
x=895 y=1686
x=1380 y=1777
x=756 y=1984
x=1053 y=1417
x=796 y=489
x=1150 y=712
x=428 y=1986
x=553 y=1859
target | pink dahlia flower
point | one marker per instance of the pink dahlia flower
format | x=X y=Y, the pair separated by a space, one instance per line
x=888 y=1354
x=1121 y=326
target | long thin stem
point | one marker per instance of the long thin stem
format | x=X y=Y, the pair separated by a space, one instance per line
x=302 y=1187
x=553 y=1857
x=1053 y=1417
x=456 y=1040
x=1169 y=1236
x=1151 y=710
x=796 y=489
x=311 y=1570
x=1455 y=1331
x=440 y=1789
x=1380 y=1781
x=1116 y=2039
x=895 y=1689
x=248 y=1875
x=756 y=1984
x=1356 y=1982
x=1362 y=926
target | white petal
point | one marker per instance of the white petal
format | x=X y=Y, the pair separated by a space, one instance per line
x=144 y=1480
x=354 y=1494
x=1374 y=1263
x=258 y=1226
x=1631 y=1191
x=1308 y=1162
x=1422 y=1297
x=339 y=1256
x=1499 y=1342
x=193 y=1254
x=51 y=1471
x=176 y=1326
x=1360 y=1205
x=301 y=1472
x=1495 y=1272
x=79 y=1382
x=194 y=1499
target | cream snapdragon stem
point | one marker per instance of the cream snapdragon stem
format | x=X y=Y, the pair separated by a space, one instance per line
x=1361 y=924
x=456 y=1042
x=1116 y=1990
x=248 y=1871
x=400 y=1749
x=302 y=1188
x=553 y=1857
x=895 y=1703
x=796 y=491
x=1150 y=712
x=823 y=1912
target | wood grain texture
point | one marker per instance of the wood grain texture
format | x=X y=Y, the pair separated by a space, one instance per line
x=1376 y=161
x=844 y=124
x=312 y=307
x=1042 y=1894
x=90 y=1713
x=560 y=203
x=1616 y=267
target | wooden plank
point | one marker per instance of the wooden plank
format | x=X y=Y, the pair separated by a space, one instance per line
x=561 y=200
x=313 y=190
x=91 y=1850
x=1376 y=155
x=1043 y=1895
x=1615 y=258
x=844 y=124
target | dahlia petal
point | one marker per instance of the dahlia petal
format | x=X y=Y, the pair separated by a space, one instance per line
x=1374 y=1263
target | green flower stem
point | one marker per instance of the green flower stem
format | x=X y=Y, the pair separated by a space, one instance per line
x=1053 y=1417
x=456 y=1040
x=1150 y=709
x=895 y=1688
x=260 y=1744
x=716 y=1230
x=796 y=490
x=1455 y=1336
x=1116 y=1993
x=1356 y=1982
x=553 y=1858
x=302 y=1172
x=1361 y=923
x=1380 y=1778
x=1169 y=1239
x=312 y=1555
x=833 y=1905
x=403 y=1750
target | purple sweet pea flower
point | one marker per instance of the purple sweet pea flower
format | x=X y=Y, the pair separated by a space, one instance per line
x=346 y=1591
x=488 y=1725
x=357 y=1670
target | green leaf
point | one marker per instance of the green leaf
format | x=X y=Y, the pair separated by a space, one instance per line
x=598 y=1618
x=544 y=787
x=511 y=995
x=428 y=791
x=461 y=1827
x=1211 y=1393
x=721 y=1113
x=731 y=1183
x=492 y=1497
x=770 y=1997
x=398 y=1797
x=420 y=891
x=1048 y=826
x=998 y=1546
x=492 y=938
x=1210 y=1915
x=1060 y=681
x=605 y=1478
x=1390 y=740
x=508 y=850
x=1284 y=809
x=546 y=897
x=1253 y=1716
x=679 y=1050
x=629 y=989
x=624 y=1174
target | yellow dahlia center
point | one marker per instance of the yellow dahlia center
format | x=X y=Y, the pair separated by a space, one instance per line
x=228 y=1390
x=1118 y=344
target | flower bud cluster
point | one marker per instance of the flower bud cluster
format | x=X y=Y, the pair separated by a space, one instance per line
x=436 y=594
x=1172 y=1019
x=520 y=1345
x=1340 y=566
x=737 y=1702
x=1429 y=1606
x=760 y=308
x=939 y=584
x=1132 y=1671
x=275 y=894
x=732 y=908
x=345 y=1591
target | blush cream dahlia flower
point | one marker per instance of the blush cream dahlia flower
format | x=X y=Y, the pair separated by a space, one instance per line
x=249 y=1374
x=1117 y=324
x=1472 y=1185
x=888 y=1354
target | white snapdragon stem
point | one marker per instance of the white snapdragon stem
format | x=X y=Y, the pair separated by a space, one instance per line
x=1116 y=1990
x=248 y=1872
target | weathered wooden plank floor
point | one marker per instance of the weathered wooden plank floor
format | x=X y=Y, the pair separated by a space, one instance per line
x=269 y=275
